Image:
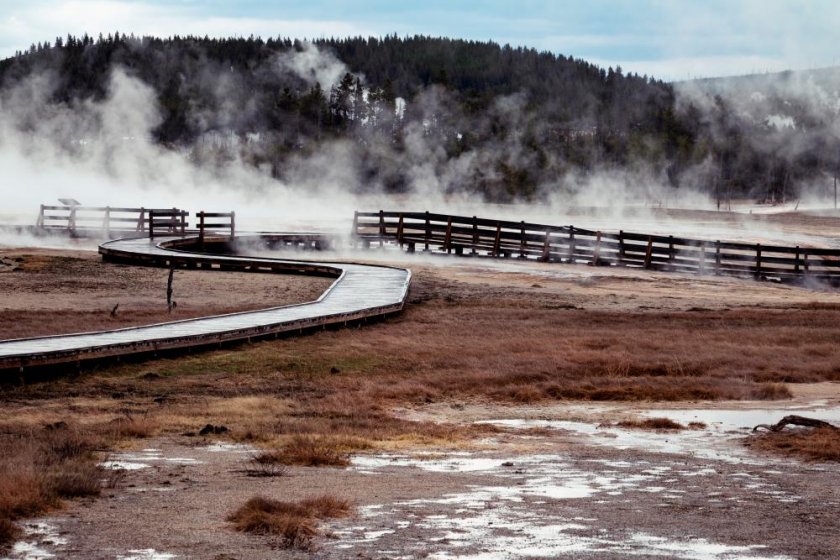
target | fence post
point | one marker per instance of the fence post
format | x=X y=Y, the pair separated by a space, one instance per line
x=475 y=235
x=39 y=223
x=571 y=244
x=717 y=257
x=428 y=230
x=546 y=256
x=201 y=230
x=447 y=242
x=649 y=252
x=71 y=219
x=381 y=225
x=141 y=221
x=232 y=225
x=355 y=231
x=701 y=266
x=805 y=266
x=151 y=224
x=522 y=243
x=400 y=227
x=173 y=220
x=758 y=260
x=671 y=255
x=596 y=253
x=106 y=222
x=796 y=261
x=497 y=244
x=621 y=246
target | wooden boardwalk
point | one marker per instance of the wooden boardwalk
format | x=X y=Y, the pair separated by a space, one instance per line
x=359 y=292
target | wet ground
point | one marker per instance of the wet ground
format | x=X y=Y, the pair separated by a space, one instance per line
x=555 y=483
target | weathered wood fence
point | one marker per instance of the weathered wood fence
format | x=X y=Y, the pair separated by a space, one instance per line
x=107 y=220
x=497 y=238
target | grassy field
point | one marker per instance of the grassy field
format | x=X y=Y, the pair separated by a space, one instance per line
x=315 y=399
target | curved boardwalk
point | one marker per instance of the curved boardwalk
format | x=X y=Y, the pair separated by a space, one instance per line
x=359 y=292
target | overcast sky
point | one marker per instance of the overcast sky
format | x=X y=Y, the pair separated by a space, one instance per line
x=672 y=40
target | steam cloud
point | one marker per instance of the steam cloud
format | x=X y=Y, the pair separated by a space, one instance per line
x=102 y=152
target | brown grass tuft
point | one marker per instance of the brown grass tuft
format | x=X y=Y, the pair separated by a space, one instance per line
x=314 y=451
x=771 y=391
x=819 y=444
x=651 y=424
x=294 y=522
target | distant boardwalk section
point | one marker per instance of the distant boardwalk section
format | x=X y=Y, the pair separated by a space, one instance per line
x=359 y=292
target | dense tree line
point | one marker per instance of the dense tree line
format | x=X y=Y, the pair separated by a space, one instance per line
x=515 y=122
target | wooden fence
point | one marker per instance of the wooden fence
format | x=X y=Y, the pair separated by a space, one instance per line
x=79 y=220
x=224 y=220
x=497 y=238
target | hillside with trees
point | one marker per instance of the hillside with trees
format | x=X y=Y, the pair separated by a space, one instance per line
x=503 y=122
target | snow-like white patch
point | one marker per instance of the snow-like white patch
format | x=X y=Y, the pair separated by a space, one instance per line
x=41 y=541
x=144 y=459
x=146 y=554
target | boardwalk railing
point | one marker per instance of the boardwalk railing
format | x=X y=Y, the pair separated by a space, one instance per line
x=225 y=221
x=167 y=222
x=498 y=238
x=80 y=219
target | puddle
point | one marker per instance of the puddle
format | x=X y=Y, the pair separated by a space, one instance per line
x=745 y=419
x=515 y=514
x=144 y=459
x=709 y=443
x=39 y=542
x=146 y=554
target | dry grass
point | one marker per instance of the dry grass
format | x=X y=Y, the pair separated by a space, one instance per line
x=651 y=424
x=40 y=467
x=819 y=444
x=294 y=522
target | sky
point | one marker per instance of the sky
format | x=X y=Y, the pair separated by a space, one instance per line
x=667 y=39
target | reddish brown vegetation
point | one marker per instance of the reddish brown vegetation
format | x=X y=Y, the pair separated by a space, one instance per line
x=39 y=468
x=820 y=444
x=294 y=522
x=651 y=424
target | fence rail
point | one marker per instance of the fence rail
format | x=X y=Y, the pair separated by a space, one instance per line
x=498 y=238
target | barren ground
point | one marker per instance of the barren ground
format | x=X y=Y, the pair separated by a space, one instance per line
x=49 y=291
x=473 y=423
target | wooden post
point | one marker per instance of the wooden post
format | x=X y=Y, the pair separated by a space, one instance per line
x=169 y=289
x=428 y=231
x=701 y=265
x=571 y=244
x=796 y=261
x=400 y=234
x=717 y=257
x=621 y=246
x=381 y=224
x=522 y=239
x=39 y=223
x=649 y=252
x=758 y=260
x=447 y=242
x=106 y=222
x=173 y=220
x=596 y=253
x=232 y=225
x=201 y=230
x=151 y=224
x=141 y=221
x=71 y=220
x=546 y=255
x=671 y=255
x=498 y=242
x=475 y=235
